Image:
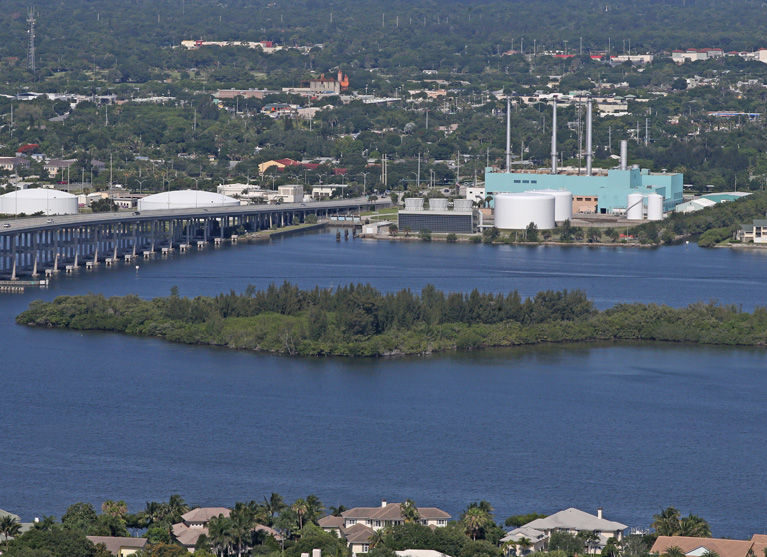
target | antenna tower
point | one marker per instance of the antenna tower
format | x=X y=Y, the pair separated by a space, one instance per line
x=31 y=47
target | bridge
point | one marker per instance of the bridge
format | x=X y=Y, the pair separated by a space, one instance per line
x=37 y=245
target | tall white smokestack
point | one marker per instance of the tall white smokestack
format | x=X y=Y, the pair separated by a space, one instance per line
x=508 y=134
x=624 y=154
x=554 y=138
x=589 y=154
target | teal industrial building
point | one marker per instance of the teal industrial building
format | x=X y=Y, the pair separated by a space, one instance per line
x=611 y=187
x=606 y=191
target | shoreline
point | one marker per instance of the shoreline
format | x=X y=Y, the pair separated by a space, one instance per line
x=467 y=239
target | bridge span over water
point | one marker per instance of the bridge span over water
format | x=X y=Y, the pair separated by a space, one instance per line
x=47 y=245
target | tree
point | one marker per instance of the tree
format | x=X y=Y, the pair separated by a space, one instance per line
x=275 y=504
x=531 y=232
x=220 y=534
x=336 y=511
x=694 y=526
x=300 y=507
x=674 y=551
x=314 y=508
x=518 y=520
x=79 y=516
x=666 y=523
x=475 y=520
x=425 y=235
x=176 y=507
x=9 y=527
x=409 y=511
x=104 y=205
x=394 y=198
x=393 y=229
x=570 y=544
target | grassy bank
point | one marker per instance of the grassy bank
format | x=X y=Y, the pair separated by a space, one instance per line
x=357 y=320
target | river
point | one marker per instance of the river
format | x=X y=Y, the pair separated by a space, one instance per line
x=633 y=429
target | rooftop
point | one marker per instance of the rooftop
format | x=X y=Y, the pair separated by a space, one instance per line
x=699 y=546
x=575 y=519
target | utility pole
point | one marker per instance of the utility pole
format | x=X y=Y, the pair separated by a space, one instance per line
x=418 y=176
x=646 y=132
x=458 y=169
x=427 y=118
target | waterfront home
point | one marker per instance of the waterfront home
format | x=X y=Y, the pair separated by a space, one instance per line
x=697 y=547
x=420 y=553
x=524 y=540
x=195 y=524
x=574 y=520
x=390 y=514
x=756 y=232
x=119 y=546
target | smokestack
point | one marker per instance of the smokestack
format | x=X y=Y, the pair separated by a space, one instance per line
x=554 y=138
x=508 y=134
x=589 y=154
x=624 y=154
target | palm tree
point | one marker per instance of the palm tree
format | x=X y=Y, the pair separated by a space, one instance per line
x=378 y=537
x=274 y=505
x=176 y=507
x=10 y=528
x=694 y=526
x=220 y=534
x=337 y=511
x=674 y=551
x=509 y=547
x=300 y=507
x=314 y=508
x=474 y=520
x=241 y=521
x=524 y=544
x=409 y=511
x=666 y=523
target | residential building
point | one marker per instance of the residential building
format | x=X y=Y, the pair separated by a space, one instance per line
x=119 y=546
x=574 y=520
x=54 y=166
x=12 y=163
x=524 y=540
x=756 y=232
x=195 y=524
x=389 y=514
x=697 y=547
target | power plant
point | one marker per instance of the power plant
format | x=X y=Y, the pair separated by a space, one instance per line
x=619 y=191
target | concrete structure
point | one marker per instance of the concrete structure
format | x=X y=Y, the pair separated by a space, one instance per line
x=35 y=245
x=38 y=200
x=709 y=200
x=438 y=217
x=185 y=199
x=292 y=193
x=476 y=193
x=573 y=520
x=119 y=546
x=515 y=211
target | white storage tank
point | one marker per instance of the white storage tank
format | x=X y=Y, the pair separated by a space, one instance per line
x=38 y=200
x=635 y=206
x=413 y=204
x=654 y=207
x=515 y=211
x=438 y=204
x=185 y=199
x=563 y=203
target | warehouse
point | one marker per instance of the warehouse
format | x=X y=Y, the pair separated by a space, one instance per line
x=38 y=200
x=185 y=199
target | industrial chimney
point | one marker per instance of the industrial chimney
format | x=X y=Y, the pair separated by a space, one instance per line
x=589 y=153
x=624 y=154
x=508 y=135
x=554 y=137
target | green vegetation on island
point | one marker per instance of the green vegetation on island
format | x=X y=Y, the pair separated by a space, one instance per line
x=358 y=320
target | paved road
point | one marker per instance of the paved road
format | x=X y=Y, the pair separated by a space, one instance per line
x=40 y=223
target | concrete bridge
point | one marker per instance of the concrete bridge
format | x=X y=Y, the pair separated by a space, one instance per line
x=48 y=245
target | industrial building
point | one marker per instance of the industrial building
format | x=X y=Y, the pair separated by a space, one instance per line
x=185 y=199
x=438 y=217
x=595 y=191
x=38 y=200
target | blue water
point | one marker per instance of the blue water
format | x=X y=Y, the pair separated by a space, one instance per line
x=629 y=428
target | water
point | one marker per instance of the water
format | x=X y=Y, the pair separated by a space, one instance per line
x=631 y=428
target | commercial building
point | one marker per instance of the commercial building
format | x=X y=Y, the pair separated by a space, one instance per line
x=292 y=193
x=38 y=200
x=185 y=199
x=438 y=217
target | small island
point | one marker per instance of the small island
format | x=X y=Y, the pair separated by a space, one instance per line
x=359 y=320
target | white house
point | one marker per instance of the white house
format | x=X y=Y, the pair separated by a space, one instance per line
x=574 y=520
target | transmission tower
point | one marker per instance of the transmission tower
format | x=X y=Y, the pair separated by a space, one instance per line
x=31 y=47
